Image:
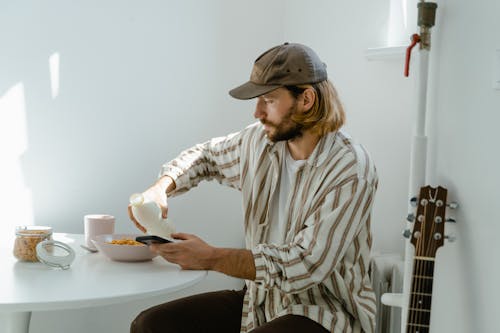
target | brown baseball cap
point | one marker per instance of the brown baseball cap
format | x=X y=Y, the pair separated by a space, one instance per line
x=288 y=64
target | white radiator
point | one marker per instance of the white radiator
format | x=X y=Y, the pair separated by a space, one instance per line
x=387 y=271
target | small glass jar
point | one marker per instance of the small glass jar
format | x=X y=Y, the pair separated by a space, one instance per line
x=27 y=238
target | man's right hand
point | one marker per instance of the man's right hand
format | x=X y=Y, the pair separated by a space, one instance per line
x=157 y=193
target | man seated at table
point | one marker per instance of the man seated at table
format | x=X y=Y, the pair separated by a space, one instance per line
x=307 y=193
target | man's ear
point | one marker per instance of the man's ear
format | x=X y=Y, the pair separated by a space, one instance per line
x=308 y=98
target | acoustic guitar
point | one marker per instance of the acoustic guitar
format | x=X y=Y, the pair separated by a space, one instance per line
x=426 y=236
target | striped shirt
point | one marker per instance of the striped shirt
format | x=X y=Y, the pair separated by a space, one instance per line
x=321 y=269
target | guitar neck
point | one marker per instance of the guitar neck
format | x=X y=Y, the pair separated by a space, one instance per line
x=419 y=308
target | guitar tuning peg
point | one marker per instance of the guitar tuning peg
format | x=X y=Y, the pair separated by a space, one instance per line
x=410 y=217
x=407 y=233
x=413 y=201
x=450 y=238
x=452 y=205
x=451 y=220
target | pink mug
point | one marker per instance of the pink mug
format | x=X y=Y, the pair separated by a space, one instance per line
x=97 y=224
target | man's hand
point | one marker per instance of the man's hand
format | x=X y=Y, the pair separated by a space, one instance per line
x=157 y=193
x=193 y=253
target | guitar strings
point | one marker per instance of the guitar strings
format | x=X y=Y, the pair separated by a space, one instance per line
x=416 y=285
x=422 y=268
x=420 y=264
x=431 y=248
x=432 y=244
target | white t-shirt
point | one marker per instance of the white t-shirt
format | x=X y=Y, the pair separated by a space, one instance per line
x=280 y=202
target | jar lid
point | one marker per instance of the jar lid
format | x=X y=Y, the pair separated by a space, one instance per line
x=55 y=254
x=33 y=231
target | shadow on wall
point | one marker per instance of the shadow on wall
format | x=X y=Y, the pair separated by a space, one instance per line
x=77 y=94
x=87 y=101
x=15 y=198
x=53 y=143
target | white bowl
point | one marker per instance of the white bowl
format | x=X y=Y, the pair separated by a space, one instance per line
x=122 y=252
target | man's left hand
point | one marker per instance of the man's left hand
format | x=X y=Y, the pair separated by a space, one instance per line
x=191 y=253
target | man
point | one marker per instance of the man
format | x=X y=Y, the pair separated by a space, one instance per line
x=307 y=195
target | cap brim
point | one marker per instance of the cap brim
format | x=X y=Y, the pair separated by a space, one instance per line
x=251 y=90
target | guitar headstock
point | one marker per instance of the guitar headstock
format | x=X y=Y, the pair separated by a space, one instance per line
x=428 y=229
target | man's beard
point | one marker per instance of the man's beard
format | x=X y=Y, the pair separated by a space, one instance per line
x=287 y=129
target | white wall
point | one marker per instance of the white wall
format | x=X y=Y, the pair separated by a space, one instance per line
x=376 y=96
x=463 y=116
x=140 y=82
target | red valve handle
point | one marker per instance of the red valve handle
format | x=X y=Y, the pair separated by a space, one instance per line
x=415 y=38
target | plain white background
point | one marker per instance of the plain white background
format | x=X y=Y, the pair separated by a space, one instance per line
x=139 y=82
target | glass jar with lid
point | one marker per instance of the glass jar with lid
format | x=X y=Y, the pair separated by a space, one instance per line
x=27 y=238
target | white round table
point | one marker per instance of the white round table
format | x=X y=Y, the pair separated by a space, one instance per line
x=92 y=280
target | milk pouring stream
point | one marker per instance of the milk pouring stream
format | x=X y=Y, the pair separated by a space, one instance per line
x=148 y=214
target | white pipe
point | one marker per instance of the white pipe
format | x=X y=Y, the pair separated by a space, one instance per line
x=422 y=78
x=418 y=161
x=391 y=299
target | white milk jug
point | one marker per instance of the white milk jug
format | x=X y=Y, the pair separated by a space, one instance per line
x=148 y=214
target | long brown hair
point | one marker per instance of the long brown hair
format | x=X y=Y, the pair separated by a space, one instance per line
x=327 y=113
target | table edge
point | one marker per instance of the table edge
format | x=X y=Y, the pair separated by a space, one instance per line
x=85 y=303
